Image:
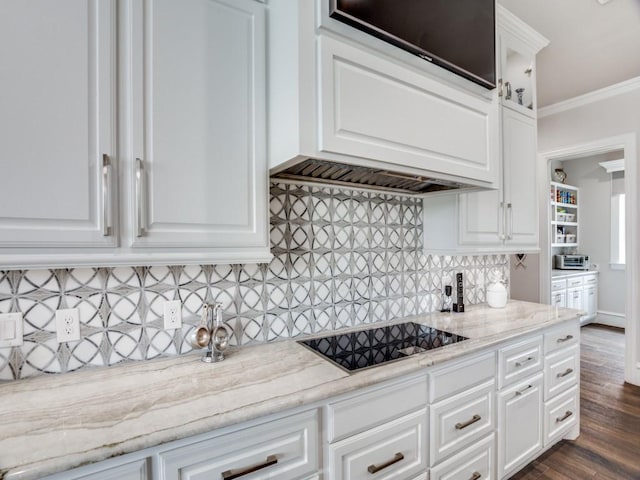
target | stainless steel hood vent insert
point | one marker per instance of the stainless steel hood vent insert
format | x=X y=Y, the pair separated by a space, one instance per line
x=342 y=174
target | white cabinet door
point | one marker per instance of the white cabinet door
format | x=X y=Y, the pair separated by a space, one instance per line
x=507 y=217
x=575 y=298
x=195 y=148
x=590 y=300
x=56 y=123
x=559 y=299
x=519 y=149
x=520 y=424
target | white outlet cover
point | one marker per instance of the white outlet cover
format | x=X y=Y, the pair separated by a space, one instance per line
x=172 y=315
x=68 y=325
x=11 y=329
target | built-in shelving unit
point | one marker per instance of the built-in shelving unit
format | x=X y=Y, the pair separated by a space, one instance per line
x=564 y=215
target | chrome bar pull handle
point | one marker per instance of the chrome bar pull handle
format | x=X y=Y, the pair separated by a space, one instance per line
x=139 y=197
x=107 y=227
x=565 y=339
x=520 y=392
x=502 y=221
x=500 y=87
x=510 y=214
x=376 y=468
x=568 y=371
x=567 y=414
x=527 y=360
x=474 y=419
x=475 y=476
x=231 y=474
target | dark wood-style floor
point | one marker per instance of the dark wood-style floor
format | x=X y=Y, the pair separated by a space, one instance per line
x=609 y=444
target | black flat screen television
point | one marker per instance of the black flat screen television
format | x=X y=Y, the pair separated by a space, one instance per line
x=458 y=35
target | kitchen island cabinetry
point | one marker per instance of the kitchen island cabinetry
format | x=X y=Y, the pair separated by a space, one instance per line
x=151 y=127
x=432 y=413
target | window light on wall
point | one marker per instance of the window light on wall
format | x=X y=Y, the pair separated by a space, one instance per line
x=615 y=169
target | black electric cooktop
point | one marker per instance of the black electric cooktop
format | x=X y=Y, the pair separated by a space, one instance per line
x=367 y=348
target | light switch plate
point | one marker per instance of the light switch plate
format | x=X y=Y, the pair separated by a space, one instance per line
x=11 y=329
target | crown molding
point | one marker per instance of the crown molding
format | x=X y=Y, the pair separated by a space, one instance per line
x=508 y=22
x=591 y=97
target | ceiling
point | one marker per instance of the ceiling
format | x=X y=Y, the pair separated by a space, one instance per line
x=592 y=45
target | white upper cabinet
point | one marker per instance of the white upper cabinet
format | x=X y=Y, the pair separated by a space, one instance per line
x=197 y=137
x=503 y=220
x=57 y=124
x=186 y=181
x=341 y=95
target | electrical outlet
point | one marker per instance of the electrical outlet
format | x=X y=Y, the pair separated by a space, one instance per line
x=68 y=325
x=172 y=315
x=11 y=329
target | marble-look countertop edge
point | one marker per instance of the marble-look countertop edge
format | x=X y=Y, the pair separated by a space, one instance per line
x=330 y=381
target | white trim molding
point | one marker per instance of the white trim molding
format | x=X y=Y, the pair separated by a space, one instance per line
x=591 y=97
x=628 y=143
x=611 y=319
x=613 y=165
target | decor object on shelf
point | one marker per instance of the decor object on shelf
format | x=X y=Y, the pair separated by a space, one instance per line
x=559 y=175
x=520 y=93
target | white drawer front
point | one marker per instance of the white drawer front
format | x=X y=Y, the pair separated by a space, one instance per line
x=561 y=337
x=459 y=421
x=518 y=361
x=560 y=415
x=460 y=376
x=561 y=370
x=476 y=462
x=375 y=407
x=575 y=282
x=590 y=280
x=394 y=451
x=558 y=285
x=285 y=449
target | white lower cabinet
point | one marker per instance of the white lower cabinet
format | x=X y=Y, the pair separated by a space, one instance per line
x=394 y=451
x=561 y=415
x=474 y=463
x=480 y=417
x=286 y=449
x=461 y=420
x=519 y=424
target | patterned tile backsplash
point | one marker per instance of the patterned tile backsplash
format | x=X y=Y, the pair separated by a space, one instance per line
x=341 y=258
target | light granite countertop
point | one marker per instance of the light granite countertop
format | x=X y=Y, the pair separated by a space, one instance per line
x=54 y=423
x=558 y=274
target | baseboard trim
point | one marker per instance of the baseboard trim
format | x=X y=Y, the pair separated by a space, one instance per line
x=612 y=319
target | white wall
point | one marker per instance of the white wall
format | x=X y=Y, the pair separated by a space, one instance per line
x=594 y=215
x=617 y=116
x=524 y=280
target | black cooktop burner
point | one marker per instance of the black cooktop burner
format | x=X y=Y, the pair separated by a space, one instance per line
x=366 y=348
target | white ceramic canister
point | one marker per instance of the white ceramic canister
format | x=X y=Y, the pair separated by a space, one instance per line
x=497 y=295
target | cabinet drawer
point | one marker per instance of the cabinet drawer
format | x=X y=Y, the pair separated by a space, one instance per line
x=575 y=282
x=560 y=415
x=457 y=422
x=462 y=375
x=285 y=449
x=558 y=285
x=561 y=337
x=590 y=280
x=375 y=407
x=561 y=370
x=475 y=462
x=394 y=451
x=519 y=360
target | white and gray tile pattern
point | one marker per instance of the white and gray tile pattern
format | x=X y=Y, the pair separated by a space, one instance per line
x=341 y=258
